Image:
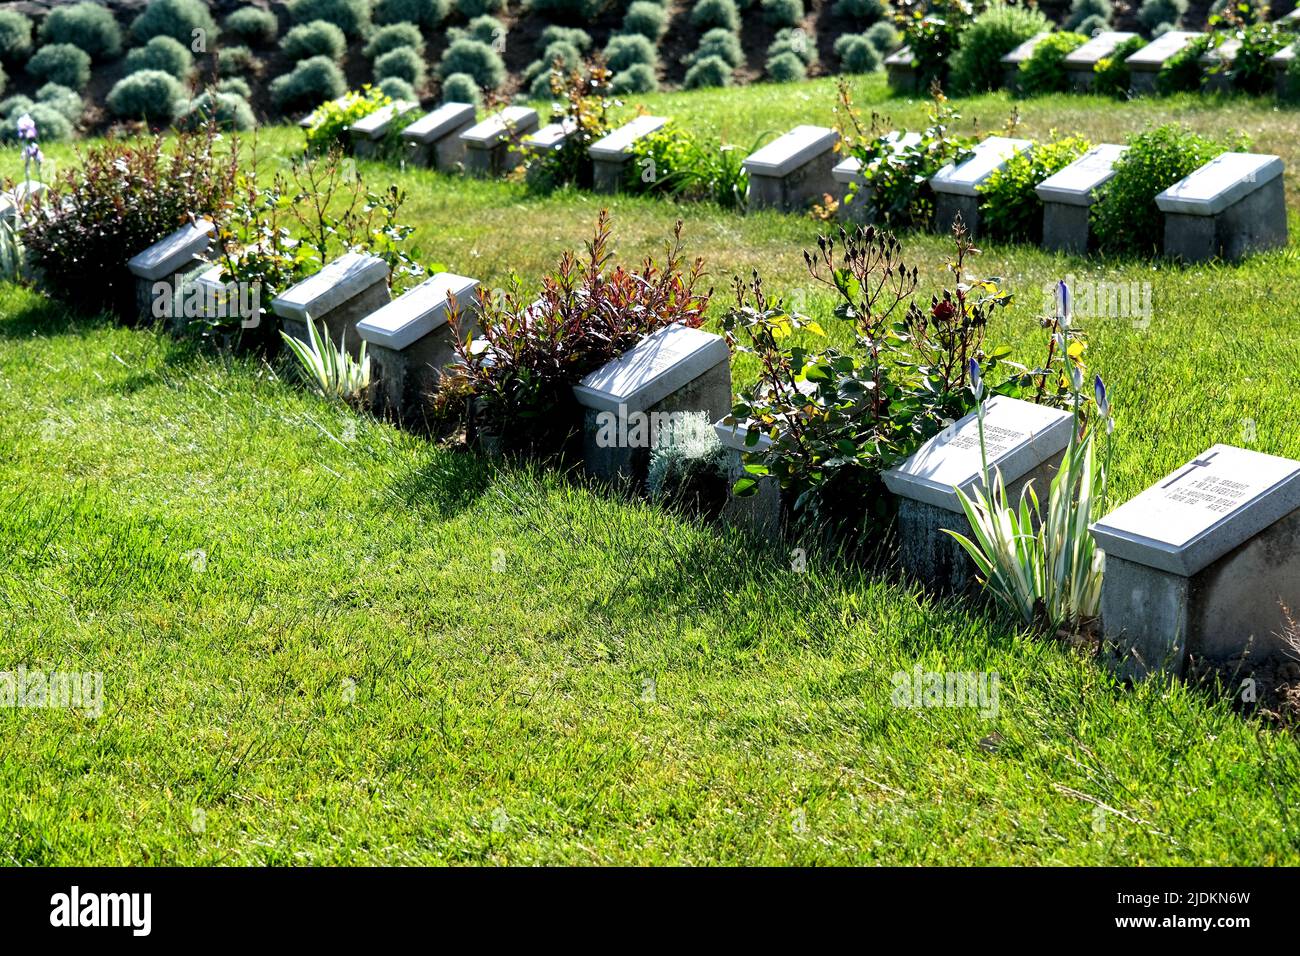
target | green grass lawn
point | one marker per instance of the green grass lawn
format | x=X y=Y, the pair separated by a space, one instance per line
x=324 y=640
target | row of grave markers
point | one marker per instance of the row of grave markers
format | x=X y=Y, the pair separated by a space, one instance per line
x=1230 y=207
x=1143 y=64
x=1204 y=562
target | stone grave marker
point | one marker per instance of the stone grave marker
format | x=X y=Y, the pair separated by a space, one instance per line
x=1025 y=442
x=792 y=170
x=162 y=270
x=1079 y=63
x=1202 y=563
x=629 y=400
x=900 y=67
x=1281 y=61
x=340 y=295
x=611 y=154
x=368 y=132
x=490 y=148
x=1145 y=64
x=410 y=342
x=434 y=139
x=1011 y=61
x=1231 y=206
x=1217 y=64
x=761 y=511
x=848 y=172
x=956 y=188
x=1068 y=195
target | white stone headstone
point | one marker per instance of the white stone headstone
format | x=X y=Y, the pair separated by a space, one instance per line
x=656 y=367
x=417 y=312
x=736 y=436
x=1225 y=52
x=1219 y=183
x=1102 y=45
x=1194 y=516
x=319 y=294
x=791 y=150
x=433 y=126
x=1283 y=57
x=1153 y=56
x=497 y=127
x=1075 y=184
x=375 y=125
x=1019 y=436
x=989 y=156
x=168 y=255
x=618 y=144
x=902 y=57
x=551 y=136
x=850 y=169
x=1025 y=50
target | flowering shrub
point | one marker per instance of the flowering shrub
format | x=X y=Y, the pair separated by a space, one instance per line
x=933 y=30
x=581 y=102
x=1010 y=209
x=677 y=163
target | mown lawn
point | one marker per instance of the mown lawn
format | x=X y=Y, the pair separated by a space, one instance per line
x=327 y=641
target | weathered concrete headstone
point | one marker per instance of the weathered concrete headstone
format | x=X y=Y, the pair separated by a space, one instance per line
x=552 y=136
x=761 y=511
x=1217 y=64
x=956 y=188
x=1068 y=195
x=368 y=132
x=434 y=139
x=848 y=172
x=900 y=68
x=628 y=401
x=1202 y=563
x=490 y=146
x=1281 y=63
x=611 y=154
x=162 y=270
x=1231 y=206
x=1145 y=64
x=410 y=342
x=1079 y=64
x=1025 y=442
x=792 y=170
x=1011 y=61
x=306 y=121
x=339 y=295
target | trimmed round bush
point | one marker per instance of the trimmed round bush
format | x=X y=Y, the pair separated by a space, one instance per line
x=161 y=53
x=150 y=95
x=396 y=88
x=574 y=35
x=477 y=59
x=476 y=8
x=485 y=29
x=389 y=38
x=856 y=53
x=793 y=41
x=350 y=16
x=561 y=50
x=252 y=26
x=236 y=85
x=15 y=38
x=716 y=13
x=624 y=51
x=864 y=11
x=403 y=63
x=15 y=106
x=708 y=71
x=67 y=101
x=177 y=19
x=225 y=110
x=427 y=13
x=61 y=63
x=87 y=26
x=308 y=84
x=1153 y=13
x=637 y=78
x=1093 y=25
x=785 y=68
x=1081 y=10
x=977 y=66
x=720 y=42
x=236 y=61
x=51 y=125
x=647 y=19
x=318 y=38
x=461 y=88
x=540 y=87
x=884 y=37
x=783 y=13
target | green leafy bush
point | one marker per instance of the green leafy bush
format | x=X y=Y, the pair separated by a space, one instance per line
x=1182 y=72
x=477 y=59
x=52 y=124
x=689 y=467
x=783 y=13
x=311 y=82
x=461 y=88
x=580 y=101
x=793 y=41
x=350 y=16
x=1044 y=71
x=1125 y=219
x=976 y=66
x=485 y=29
x=1010 y=210
x=425 y=13
x=706 y=72
x=856 y=54
x=476 y=8
x=226 y=111
x=318 y=38
x=637 y=78
x=863 y=11
x=235 y=84
x=933 y=34
x=87 y=26
x=629 y=49
x=1111 y=73
x=236 y=61
x=252 y=26
x=580 y=10
x=398 y=90
x=884 y=37
x=329 y=122
x=177 y=19
x=61 y=63
x=722 y=43
x=1083 y=10
x=575 y=36
x=785 y=68
x=1152 y=13
x=161 y=53
x=395 y=35
x=150 y=95
x=647 y=18
x=67 y=102
x=1251 y=70
x=403 y=63
x=716 y=13
x=15 y=38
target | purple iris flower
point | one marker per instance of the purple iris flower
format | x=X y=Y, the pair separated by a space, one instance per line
x=26 y=127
